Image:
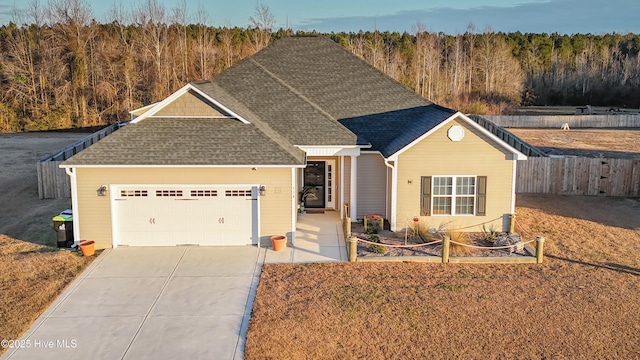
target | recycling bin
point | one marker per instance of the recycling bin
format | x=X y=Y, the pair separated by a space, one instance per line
x=63 y=226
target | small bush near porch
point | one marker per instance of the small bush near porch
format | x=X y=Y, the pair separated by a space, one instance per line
x=582 y=302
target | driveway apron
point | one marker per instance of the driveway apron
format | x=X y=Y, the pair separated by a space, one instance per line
x=151 y=303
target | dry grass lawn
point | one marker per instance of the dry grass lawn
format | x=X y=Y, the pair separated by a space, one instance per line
x=608 y=143
x=583 y=302
x=31 y=277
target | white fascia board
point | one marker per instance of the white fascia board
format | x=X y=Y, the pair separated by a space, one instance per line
x=142 y=109
x=218 y=104
x=336 y=150
x=162 y=104
x=518 y=154
x=258 y=167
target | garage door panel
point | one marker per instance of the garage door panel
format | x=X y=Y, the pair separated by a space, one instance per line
x=157 y=215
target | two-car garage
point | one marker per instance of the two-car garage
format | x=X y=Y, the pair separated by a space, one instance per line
x=170 y=215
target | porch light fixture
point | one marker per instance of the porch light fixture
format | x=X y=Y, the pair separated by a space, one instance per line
x=262 y=190
x=102 y=190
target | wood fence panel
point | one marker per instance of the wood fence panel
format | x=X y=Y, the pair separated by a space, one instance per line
x=579 y=176
x=574 y=121
x=53 y=182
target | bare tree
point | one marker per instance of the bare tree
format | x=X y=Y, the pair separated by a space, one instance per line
x=205 y=47
x=151 y=17
x=262 y=22
x=72 y=31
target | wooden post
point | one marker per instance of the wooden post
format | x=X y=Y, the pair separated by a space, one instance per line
x=539 y=247
x=512 y=223
x=353 y=248
x=347 y=227
x=445 y=249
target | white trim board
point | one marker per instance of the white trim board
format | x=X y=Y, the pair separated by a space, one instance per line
x=459 y=115
x=162 y=104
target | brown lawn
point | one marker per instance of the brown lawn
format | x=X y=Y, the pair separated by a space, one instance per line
x=31 y=277
x=583 y=302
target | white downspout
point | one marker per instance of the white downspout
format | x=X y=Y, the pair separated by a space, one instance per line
x=354 y=188
x=74 y=204
x=342 y=214
x=394 y=197
x=513 y=186
x=294 y=205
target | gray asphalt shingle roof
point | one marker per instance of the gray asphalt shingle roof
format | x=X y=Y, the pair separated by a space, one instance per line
x=391 y=131
x=297 y=91
x=165 y=141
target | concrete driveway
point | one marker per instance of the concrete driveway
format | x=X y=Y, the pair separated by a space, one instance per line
x=151 y=303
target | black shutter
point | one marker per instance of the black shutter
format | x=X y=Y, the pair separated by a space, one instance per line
x=481 y=196
x=425 y=198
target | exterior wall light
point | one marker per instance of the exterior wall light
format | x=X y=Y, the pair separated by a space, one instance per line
x=102 y=190
x=262 y=190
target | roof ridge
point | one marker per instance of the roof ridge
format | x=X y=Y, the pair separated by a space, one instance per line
x=255 y=120
x=292 y=89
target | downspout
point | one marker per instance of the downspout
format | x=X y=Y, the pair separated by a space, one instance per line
x=294 y=204
x=74 y=204
x=394 y=177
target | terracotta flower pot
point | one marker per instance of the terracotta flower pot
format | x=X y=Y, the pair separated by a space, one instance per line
x=87 y=247
x=278 y=242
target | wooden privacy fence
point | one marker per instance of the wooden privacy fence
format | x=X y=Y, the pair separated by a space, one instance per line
x=507 y=137
x=574 y=121
x=579 y=176
x=53 y=182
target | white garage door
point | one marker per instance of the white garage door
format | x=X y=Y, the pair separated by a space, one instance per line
x=169 y=215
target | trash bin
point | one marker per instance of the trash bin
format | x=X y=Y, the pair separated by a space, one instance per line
x=63 y=226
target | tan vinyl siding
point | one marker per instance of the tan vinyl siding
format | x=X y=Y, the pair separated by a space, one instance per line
x=372 y=185
x=189 y=104
x=95 y=215
x=436 y=155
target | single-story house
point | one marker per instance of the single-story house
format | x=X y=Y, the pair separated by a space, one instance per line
x=230 y=161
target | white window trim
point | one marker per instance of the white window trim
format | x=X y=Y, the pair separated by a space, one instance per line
x=454 y=195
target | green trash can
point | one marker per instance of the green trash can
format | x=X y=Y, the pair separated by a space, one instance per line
x=63 y=226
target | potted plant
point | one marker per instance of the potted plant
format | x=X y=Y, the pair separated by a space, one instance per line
x=304 y=194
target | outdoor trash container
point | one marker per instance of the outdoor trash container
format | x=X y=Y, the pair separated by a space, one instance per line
x=63 y=226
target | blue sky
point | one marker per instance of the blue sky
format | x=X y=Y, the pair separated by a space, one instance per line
x=448 y=16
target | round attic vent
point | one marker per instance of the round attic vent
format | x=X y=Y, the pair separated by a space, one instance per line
x=455 y=133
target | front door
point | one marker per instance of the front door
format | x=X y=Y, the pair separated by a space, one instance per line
x=320 y=184
x=314 y=182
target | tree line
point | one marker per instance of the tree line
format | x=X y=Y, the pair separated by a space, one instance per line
x=60 y=68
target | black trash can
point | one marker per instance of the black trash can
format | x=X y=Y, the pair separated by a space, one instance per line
x=63 y=226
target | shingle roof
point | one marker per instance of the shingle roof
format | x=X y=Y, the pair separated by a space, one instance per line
x=391 y=131
x=298 y=91
x=165 y=141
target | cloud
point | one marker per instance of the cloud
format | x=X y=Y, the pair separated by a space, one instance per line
x=562 y=16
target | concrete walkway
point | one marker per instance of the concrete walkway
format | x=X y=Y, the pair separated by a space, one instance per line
x=319 y=238
x=151 y=303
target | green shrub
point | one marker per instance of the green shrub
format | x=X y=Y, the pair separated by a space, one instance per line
x=373 y=226
x=377 y=249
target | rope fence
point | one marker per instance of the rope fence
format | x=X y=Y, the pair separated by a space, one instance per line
x=484 y=223
x=491 y=247
x=399 y=246
x=446 y=241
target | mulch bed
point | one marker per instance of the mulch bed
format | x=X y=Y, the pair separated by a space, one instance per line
x=398 y=238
